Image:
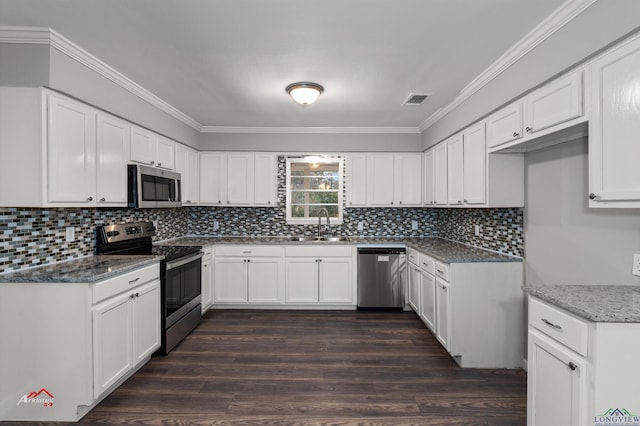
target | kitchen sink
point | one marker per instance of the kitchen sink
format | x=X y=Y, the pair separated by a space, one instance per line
x=304 y=238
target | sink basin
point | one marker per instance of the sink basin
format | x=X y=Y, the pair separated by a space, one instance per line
x=315 y=238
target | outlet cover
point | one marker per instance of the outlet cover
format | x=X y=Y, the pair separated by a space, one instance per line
x=360 y=226
x=70 y=234
x=216 y=225
x=477 y=230
x=414 y=225
x=636 y=264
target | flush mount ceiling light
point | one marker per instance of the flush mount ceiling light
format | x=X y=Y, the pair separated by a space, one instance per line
x=304 y=93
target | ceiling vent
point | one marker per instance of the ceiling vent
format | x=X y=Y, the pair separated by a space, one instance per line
x=415 y=99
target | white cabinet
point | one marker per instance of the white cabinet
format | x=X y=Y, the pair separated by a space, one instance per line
x=356 y=181
x=151 y=149
x=248 y=274
x=455 y=173
x=207 y=278
x=614 y=175
x=238 y=179
x=443 y=313
x=380 y=180
x=474 y=187
x=427 y=292
x=428 y=178
x=440 y=174
x=414 y=288
x=408 y=179
x=265 y=179
x=112 y=145
x=187 y=166
x=70 y=152
x=555 y=106
x=126 y=326
x=321 y=276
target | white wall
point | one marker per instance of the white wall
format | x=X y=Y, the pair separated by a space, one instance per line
x=596 y=28
x=311 y=142
x=24 y=65
x=565 y=241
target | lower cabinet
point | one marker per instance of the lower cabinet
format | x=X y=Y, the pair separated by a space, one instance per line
x=248 y=275
x=428 y=300
x=207 y=278
x=443 y=313
x=414 y=288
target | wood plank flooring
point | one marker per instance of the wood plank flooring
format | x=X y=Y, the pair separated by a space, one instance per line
x=313 y=368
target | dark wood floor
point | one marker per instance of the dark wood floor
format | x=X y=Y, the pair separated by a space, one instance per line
x=313 y=368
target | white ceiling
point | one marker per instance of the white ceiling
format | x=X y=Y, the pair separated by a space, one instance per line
x=227 y=62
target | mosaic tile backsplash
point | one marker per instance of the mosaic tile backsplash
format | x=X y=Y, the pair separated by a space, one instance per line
x=31 y=237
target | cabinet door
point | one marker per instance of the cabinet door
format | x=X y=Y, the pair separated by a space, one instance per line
x=455 y=175
x=428 y=300
x=265 y=280
x=301 y=280
x=474 y=165
x=142 y=146
x=556 y=383
x=443 y=313
x=112 y=342
x=335 y=280
x=440 y=173
x=230 y=280
x=408 y=179
x=264 y=181
x=213 y=178
x=505 y=125
x=554 y=104
x=111 y=161
x=206 y=280
x=240 y=179
x=146 y=321
x=187 y=166
x=614 y=128
x=165 y=153
x=356 y=181
x=428 y=173
x=380 y=182
x=70 y=152
x=414 y=288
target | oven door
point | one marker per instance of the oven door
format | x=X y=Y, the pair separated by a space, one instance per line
x=182 y=287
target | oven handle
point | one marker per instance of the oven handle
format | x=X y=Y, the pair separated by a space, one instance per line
x=184 y=261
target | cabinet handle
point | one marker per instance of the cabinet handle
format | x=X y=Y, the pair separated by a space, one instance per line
x=268 y=202
x=465 y=201
x=102 y=200
x=152 y=162
x=206 y=266
x=219 y=202
x=132 y=296
x=392 y=203
x=248 y=260
x=459 y=201
x=516 y=134
x=90 y=199
x=227 y=201
x=592 y=196
x=550 y=324
x=528 y=129
x=137 y=294
x=159 y=164
x=398 y=202
x=439 y=271
x=188 y=201
x=134 y=281
x=572 y=366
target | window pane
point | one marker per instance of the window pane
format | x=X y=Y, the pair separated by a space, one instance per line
x=314 y=186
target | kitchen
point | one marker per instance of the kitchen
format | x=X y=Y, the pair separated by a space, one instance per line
x=590 y=246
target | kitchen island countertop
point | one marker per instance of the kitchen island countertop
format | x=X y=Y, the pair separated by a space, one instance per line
x=598 y=303
x=88 y=269
x=443 y=250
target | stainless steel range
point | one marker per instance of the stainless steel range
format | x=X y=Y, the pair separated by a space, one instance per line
x=180 y=273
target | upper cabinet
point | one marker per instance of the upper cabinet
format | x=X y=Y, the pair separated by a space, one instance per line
x=111 y=160
x=187 y=166
x=384 y=180
x=237 y=179
x=556 y=106
x=614 y=174
x=151 y=149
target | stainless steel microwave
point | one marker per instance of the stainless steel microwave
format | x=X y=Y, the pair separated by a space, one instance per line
x=149 y=187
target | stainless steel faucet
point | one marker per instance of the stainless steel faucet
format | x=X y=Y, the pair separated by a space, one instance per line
x=323 y=210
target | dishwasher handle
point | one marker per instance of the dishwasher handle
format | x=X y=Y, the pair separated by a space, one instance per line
x=380 y=250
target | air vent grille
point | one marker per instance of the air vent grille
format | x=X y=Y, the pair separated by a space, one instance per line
x=415 y=99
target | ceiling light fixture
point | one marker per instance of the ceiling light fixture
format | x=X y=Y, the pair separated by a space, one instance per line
x=304 y=93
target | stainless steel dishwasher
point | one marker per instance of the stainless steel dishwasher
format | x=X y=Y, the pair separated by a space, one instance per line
x=381 y=277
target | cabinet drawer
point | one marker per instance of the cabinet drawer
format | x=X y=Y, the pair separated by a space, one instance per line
x=413 y=256
x=249 y=251
x=427 y=264
x=442 y=270
x=563 y=327
x=317 y=251
x=112 y=286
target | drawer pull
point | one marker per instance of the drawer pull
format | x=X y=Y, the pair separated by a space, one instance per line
x=572 y=366
x=134 y=281
x=440 y=271
x=550 y=324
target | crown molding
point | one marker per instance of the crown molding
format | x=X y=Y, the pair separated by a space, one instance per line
x=554 y=22
x=47 y=36
x=332 y=130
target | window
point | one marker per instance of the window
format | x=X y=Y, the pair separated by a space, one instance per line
x=314 y=184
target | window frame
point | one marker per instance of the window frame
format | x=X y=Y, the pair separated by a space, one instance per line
x=340 y=191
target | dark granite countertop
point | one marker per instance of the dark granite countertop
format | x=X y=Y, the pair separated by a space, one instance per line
x=598 y=303
x=88 y=269
x=445 y=251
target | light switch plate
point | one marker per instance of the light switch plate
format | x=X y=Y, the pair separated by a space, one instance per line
x=636 y=264
x=70 y=234
x=477 y=230
x=216 y=225
x=414 y=225
x=360 y=226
